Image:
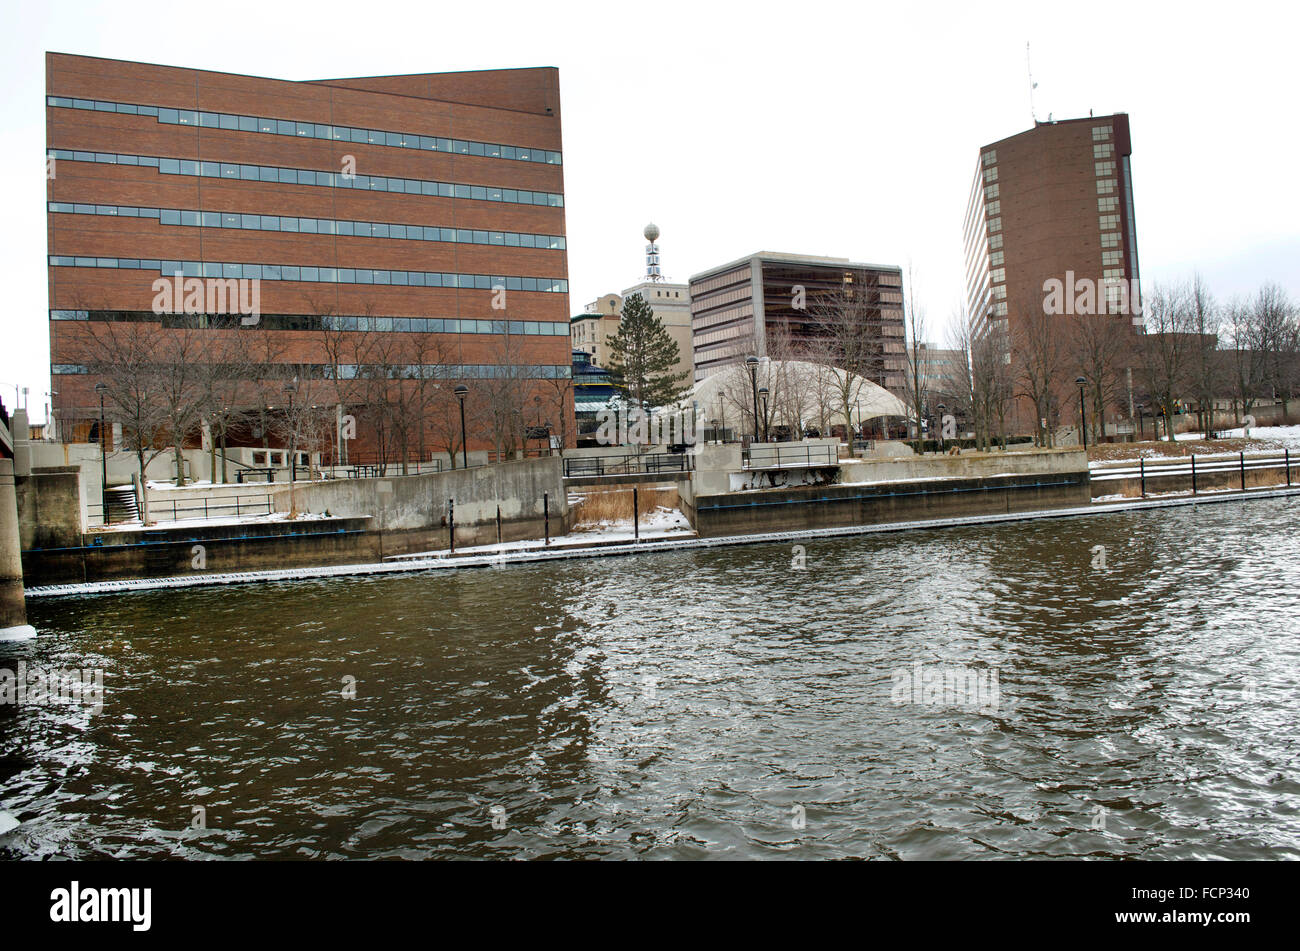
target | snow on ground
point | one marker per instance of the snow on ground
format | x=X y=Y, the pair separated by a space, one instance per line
x=1284 y=436
x=660 y=520
x=662 y=523
x=207 y=522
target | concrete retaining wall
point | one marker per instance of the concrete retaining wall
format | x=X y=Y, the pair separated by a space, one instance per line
x=967 y=465
x=49 y=507
x=169 y=552
x=813 y=507
x=419 y=503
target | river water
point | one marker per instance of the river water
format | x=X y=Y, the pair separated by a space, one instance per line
x=746 y=702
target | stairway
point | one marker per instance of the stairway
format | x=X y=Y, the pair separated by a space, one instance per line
x=121 y=504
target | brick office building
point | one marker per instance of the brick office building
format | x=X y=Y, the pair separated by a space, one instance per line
x=392 y=210
x=1053 y=203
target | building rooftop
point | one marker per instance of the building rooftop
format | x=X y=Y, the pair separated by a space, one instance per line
x=785 y=257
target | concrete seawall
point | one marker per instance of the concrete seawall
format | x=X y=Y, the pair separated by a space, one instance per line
x=368 y=520
x=523 y=490
x=836 y=506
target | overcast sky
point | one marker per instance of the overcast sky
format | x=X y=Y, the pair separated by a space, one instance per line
x=846 y=129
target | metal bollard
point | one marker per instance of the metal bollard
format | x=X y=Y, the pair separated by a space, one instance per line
x=1142 y=468
x=498 y=525
x=636 y=516
x=546 y=514
x=451 y=523
x=1193 y=473
x=1288 y=468
x=1243 y=470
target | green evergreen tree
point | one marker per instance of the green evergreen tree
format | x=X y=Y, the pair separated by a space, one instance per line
x=643 y=357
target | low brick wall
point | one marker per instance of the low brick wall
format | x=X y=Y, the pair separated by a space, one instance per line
x=838 y=506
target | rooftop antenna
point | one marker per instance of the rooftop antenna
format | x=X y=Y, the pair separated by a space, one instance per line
x=1032 y=85
x=652 y=270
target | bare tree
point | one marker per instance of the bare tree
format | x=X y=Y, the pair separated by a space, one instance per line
x=1039 y=360
x=1166 y=347
x=121 y=354
x=557 y=401
x=504 y=393
x=1203 y=365
x=1245 y=359
x=914 y=333
x=850 y=338
x=303 y=425
x=1102 y=350
x=1275 y=320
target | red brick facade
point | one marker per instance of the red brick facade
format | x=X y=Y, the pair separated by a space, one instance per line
x=515 y=108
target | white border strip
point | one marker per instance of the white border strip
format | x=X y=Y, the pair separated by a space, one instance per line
x=671 y=544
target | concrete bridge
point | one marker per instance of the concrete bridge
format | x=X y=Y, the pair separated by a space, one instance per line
x=13 y=607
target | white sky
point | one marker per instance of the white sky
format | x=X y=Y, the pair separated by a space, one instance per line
x=847 y=129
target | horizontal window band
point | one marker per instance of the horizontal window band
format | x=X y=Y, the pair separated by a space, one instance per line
x=275 y=174
x=329 y=226
x=316 y=275
x=323 y=322
x=412 y=371
x=233 y=122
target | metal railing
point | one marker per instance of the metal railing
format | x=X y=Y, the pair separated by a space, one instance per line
x=1194 y=466
x=179 y=510
x=790 y=457
x=647 y=464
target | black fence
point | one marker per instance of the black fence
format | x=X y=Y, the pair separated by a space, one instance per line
x=790 y=457
x=179 y=510
x=648 y=464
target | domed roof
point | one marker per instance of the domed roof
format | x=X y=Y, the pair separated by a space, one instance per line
x=797 y=388
x=652 y=232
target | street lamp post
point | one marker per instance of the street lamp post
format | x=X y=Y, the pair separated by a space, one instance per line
x=1081 y=382
x=290 y=388
x=762 y=391
x=461 y=392
x=101 y=389
x=752 y=363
